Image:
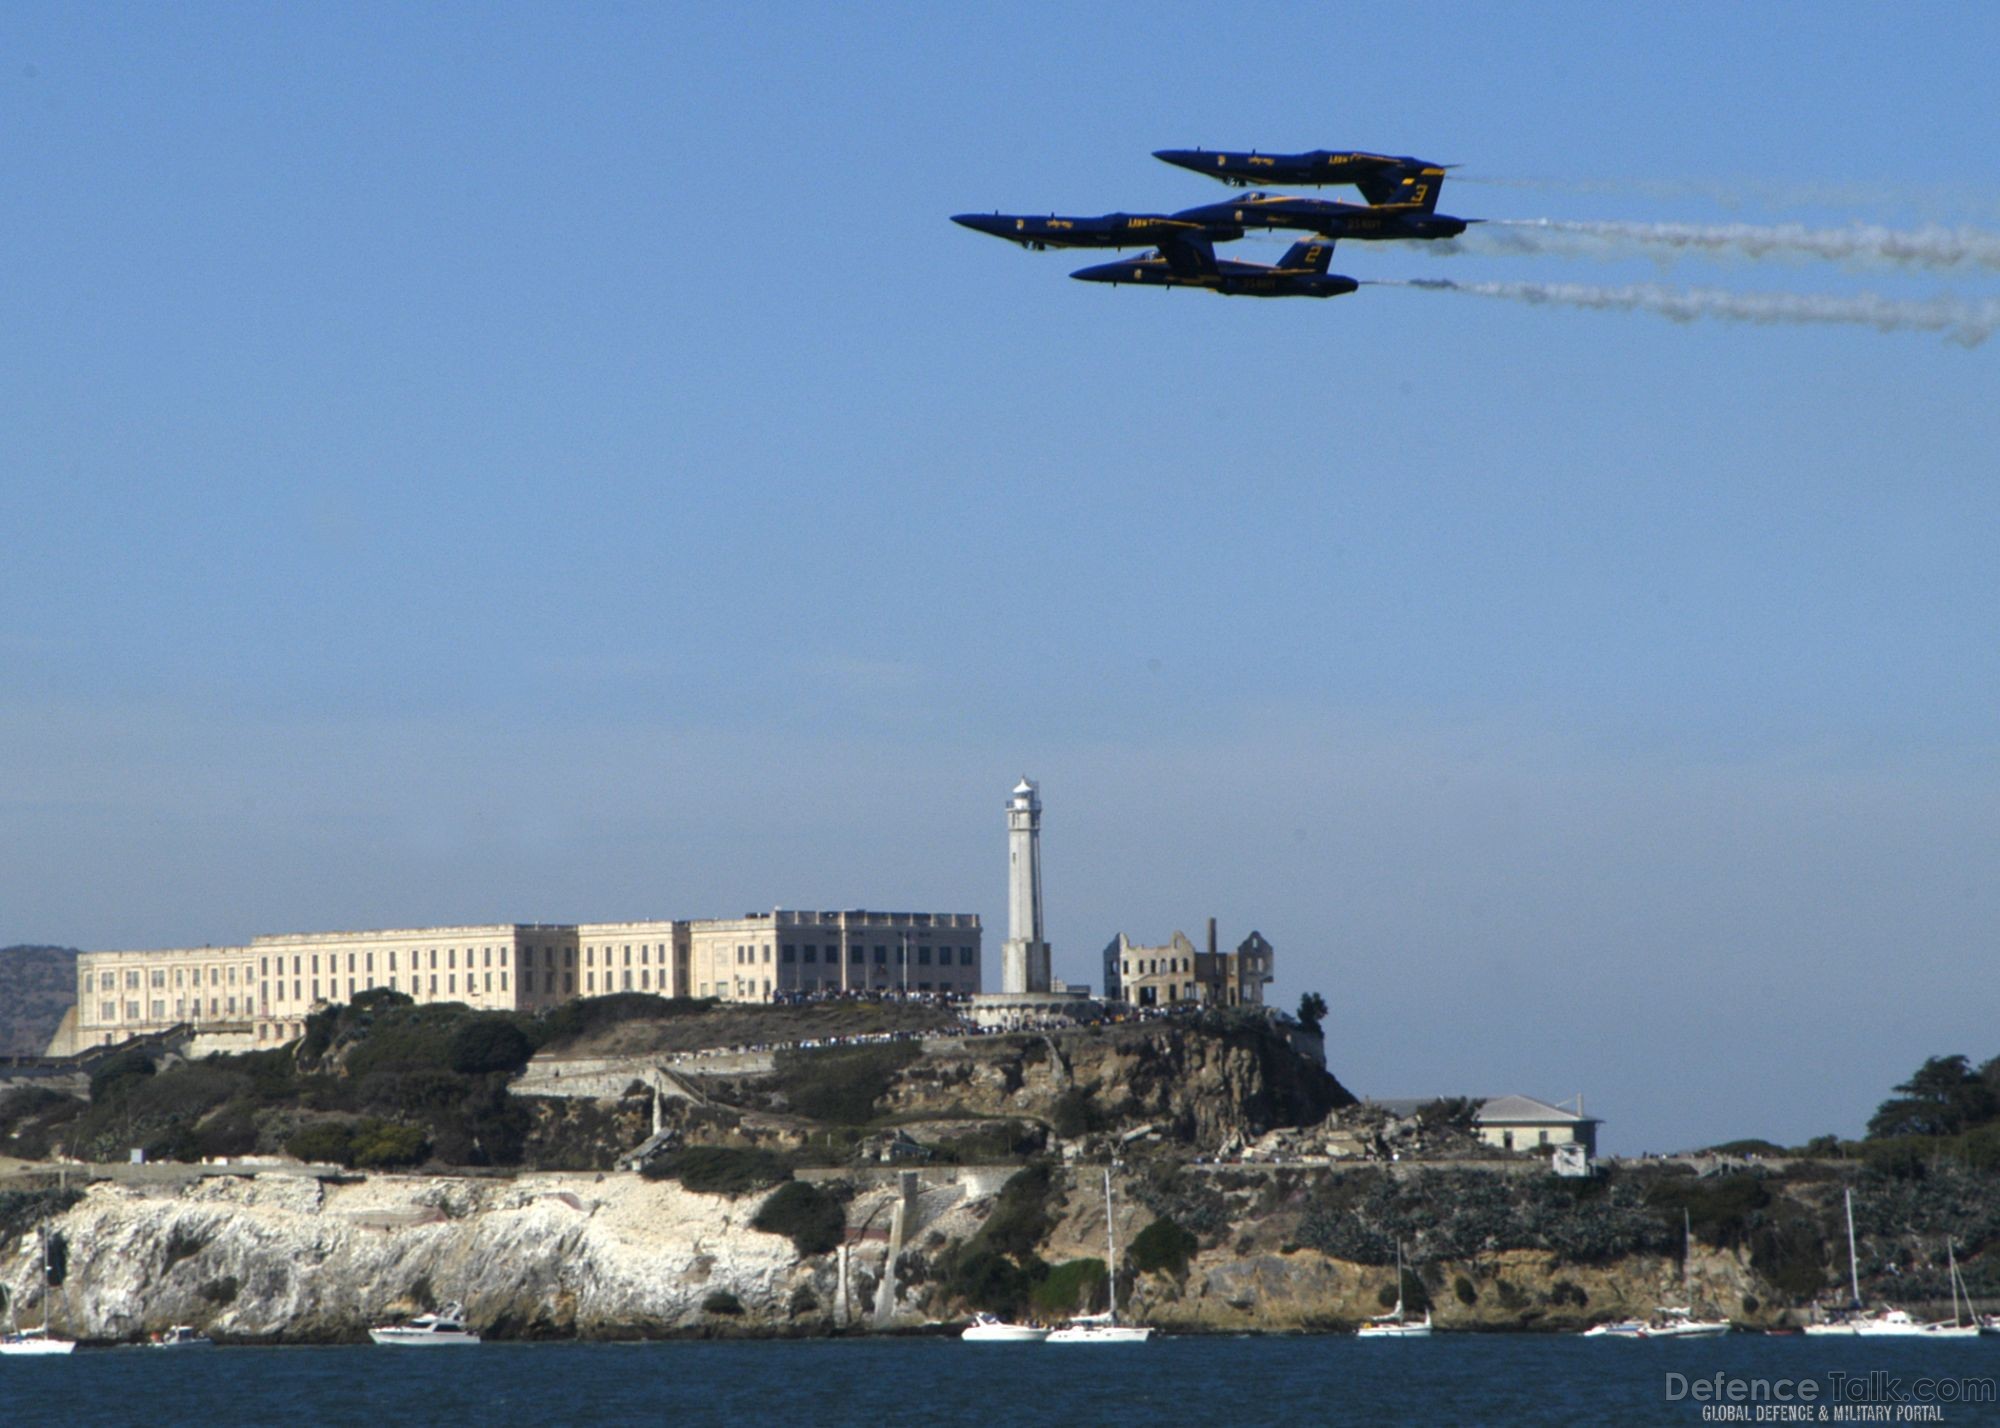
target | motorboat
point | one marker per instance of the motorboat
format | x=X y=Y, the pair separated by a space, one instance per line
x=989 y=1329
x=1617 y=1329
x=180 y=1336
x=1680 y=1323
x=427 y=1331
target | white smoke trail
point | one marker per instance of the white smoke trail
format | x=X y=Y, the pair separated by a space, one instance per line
x=1935 y=202
x=1859 y=244
x=1965 y=323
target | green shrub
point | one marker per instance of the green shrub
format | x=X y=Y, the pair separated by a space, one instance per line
x=117 y=1074
x=815 y=1220
x=1078 y=1286
x=1076 y=1113
x=1163 y=1247
x=722 y=1301
x=1720 y=1210
x=1020 y=1219
x=841 y=1084
x=323 y=1143
x=989 y=1280
x=489 y=1043
x=382 y=1144
x=720 y=1169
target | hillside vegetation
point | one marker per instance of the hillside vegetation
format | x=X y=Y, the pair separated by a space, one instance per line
x=37 y=985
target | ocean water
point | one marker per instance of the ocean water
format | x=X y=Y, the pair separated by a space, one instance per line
x=1223 y=1382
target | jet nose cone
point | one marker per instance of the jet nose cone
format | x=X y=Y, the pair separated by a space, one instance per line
x=1186 y=158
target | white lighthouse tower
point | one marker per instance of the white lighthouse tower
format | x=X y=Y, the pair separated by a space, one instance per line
x=1024 y=961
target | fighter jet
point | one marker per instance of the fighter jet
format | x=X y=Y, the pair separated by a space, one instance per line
x=1190 y=262
x=1112 y=230
x=1382 y=178
x=1328 y=218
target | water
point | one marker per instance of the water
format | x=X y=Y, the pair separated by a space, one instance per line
x=1215 y=1382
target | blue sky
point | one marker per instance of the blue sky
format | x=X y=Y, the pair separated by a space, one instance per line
x=499 y=462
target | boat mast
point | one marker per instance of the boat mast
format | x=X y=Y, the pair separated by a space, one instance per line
x=1111 y=1244
x=1951 y=1258
x=1853 y=1259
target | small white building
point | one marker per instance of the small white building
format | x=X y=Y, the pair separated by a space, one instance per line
x=1523 y=1123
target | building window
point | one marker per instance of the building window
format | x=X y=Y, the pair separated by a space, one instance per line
x=924 y=960
x=451 y=983
x=881 y=956
x=589 y=979
x=789 y=954
x=503 y=981
x=812 y=952
x=434 y=980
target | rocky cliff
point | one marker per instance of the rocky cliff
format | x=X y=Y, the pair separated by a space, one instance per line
x=289 y=1258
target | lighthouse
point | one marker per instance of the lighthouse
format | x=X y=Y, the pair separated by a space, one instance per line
x=1024 y=961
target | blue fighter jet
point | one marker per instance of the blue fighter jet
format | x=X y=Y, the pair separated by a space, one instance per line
x=1191 y=263
x=1111 y=230
x=1327 y=218
x=1382 y=178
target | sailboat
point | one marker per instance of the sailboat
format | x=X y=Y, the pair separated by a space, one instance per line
x=1394 y=1324
x=37 y=1340
x=1679 y=1321
x=1669 y=1321
x=1857 y=1322
x=1104 y=1328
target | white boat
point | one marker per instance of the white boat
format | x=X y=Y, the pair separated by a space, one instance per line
x=1618 y=1329
x=1859 y=1323
x=987 y=1329
x=1104 y=1328
x=1669 y=1321
x=1100 y=1329
x=181 y=1336
x=34 y=1341
x=1673 y=1322
x=37 y=1341
x=427 y=1331
x=1396 y=1324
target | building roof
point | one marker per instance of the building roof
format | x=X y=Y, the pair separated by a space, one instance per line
x=1527 y=1111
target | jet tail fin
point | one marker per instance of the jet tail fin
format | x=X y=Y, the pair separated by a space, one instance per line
x=1189 y=255
x=1313 y=255
x=1415 y=187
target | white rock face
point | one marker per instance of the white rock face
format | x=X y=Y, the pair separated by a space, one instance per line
x=285 y=1257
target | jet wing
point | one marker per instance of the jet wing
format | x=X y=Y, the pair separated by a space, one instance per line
x=1189 y=255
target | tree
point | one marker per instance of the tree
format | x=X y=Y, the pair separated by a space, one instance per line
x=1944 y=1096
x=1312 y=1010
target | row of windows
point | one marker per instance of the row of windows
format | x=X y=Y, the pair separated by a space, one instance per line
x=858 y=954
x=746 y=987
